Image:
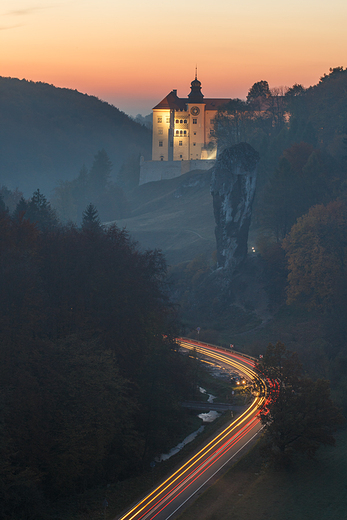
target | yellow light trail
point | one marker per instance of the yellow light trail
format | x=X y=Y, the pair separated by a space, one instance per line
x=183 y=472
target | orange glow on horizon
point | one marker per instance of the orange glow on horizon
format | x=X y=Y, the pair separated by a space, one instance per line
x=138 y=51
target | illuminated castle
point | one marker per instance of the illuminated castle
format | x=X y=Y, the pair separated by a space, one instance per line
x=182 y=138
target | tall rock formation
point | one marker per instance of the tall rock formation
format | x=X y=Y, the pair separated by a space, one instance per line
x=232 y=188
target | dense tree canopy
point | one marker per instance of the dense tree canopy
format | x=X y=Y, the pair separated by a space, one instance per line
x=303 y=178
x=300 y=415
x=90 y=376
x=260 y=89
x=316 y=248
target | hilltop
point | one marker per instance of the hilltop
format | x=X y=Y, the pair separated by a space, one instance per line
x=48 y=133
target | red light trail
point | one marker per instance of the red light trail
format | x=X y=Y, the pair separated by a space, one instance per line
x=167 y=498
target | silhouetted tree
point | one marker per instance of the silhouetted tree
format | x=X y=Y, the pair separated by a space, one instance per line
x=90 y=218
x=90 y=375
x=300 y=415
x=258 y=92
x=21 y=208
x=232 y=123
x=295 y=90
x=40 y=212
x=100 y=172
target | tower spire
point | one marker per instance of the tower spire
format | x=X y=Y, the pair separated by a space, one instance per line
x=195 y=95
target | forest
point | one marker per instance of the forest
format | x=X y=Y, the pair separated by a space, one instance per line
x=48 y=133
x=91 y=379
x=293 y=285
x=90 y=375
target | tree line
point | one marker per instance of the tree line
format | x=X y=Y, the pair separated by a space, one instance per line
x=90 y=375
x=299 y=218
x=46 y=133
x=92 y=186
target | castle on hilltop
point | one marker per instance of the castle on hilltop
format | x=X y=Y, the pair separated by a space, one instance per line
x=182 y=139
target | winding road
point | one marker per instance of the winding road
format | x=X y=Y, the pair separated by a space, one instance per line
x=169 y=498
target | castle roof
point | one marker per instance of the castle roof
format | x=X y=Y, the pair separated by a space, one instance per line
x=172 y=101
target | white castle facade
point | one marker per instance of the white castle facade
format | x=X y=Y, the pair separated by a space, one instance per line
x=182 y=139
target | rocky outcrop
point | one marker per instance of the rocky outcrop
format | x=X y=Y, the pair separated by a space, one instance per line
x=233 y=187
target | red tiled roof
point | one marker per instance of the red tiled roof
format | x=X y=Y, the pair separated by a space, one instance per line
x=174 y=102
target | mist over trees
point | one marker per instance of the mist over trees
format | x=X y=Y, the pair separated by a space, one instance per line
x=272 y=120
x=298 y=223
x=47 y=133
x=90 y=376
x=93 y=186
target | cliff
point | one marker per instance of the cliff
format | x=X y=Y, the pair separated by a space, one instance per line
x=232 y=188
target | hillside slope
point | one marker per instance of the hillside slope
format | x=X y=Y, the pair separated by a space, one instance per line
x=174 y=215
x=48 y=133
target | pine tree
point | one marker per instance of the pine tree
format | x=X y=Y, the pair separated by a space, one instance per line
x=21 y=209
x=100 y=172
x=90 y=218
x=40 y=212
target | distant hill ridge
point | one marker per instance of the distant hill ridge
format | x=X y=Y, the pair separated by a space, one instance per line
x=48 y=133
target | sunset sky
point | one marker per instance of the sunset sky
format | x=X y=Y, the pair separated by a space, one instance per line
x=131 y=53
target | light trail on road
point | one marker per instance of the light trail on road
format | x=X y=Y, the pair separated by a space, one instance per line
x=170 y=496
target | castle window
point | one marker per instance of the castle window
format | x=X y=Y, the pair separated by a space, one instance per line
x=185 y=121
x=177 y=121
x=181 y=121
x=195 y=121
x=160 y=143
x=194 y=144
x=160 y=131
x=181 y=156
x=161 y=157
x=185 y=132
x=194 y=133
x=177 y=132
x=168 y=120
x=160 y=119
x=180 y=143
x=181 y=132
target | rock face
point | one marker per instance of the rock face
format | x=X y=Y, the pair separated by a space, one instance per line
x=232 y=188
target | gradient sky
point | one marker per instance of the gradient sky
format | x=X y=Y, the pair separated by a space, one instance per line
x=132 y=53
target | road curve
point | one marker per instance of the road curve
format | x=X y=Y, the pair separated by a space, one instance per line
x=171 y=496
